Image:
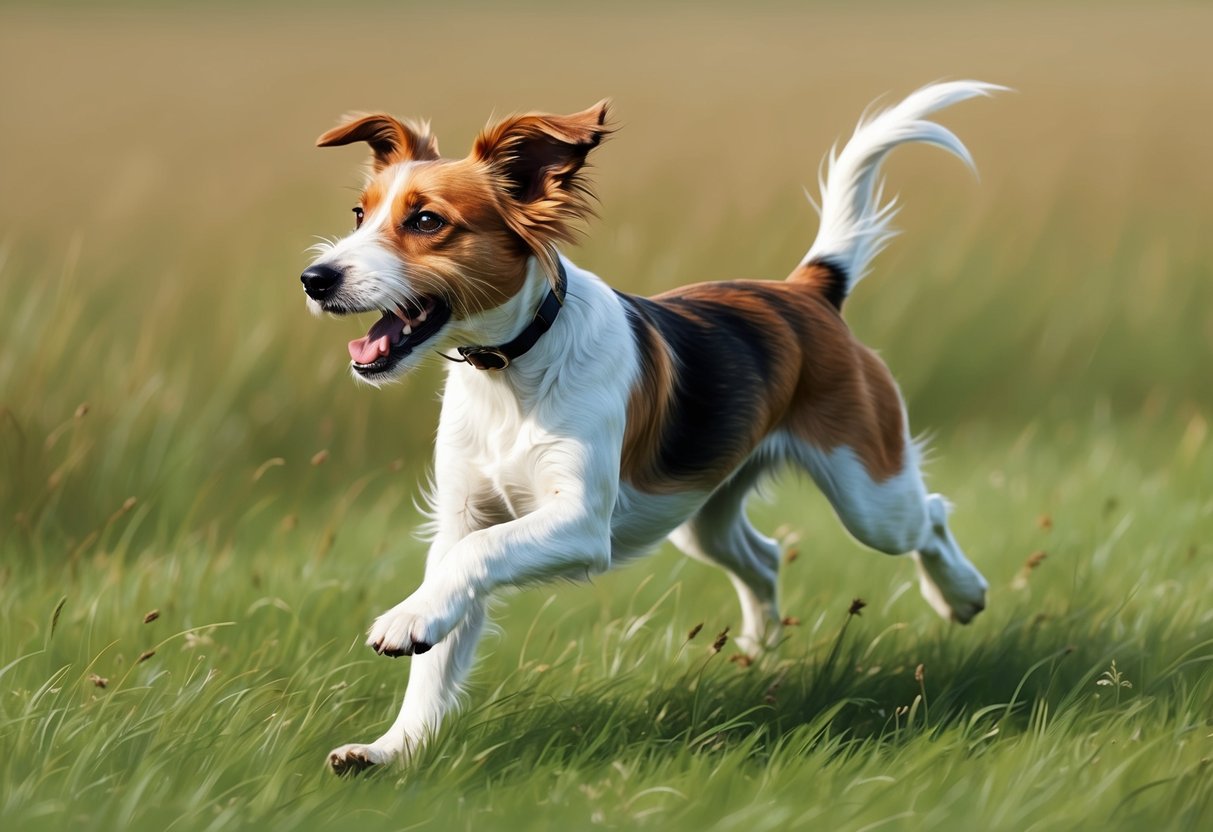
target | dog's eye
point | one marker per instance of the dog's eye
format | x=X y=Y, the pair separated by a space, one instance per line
x=357 y=209
x=426 y=223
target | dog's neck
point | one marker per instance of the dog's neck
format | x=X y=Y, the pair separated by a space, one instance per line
x=526 y=373
x=502 y=323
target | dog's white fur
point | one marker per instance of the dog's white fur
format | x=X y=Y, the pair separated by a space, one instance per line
x=527 y=463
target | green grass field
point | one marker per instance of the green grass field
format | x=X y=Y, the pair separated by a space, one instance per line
x=177 y=435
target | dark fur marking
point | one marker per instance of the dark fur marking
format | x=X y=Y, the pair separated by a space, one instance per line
x=834 y=283
x=721 y=368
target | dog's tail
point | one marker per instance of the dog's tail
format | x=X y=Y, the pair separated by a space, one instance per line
x=855 y=226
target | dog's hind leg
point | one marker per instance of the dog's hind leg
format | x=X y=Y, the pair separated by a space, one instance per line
x=894 y=514
x=897 y=516
x=721 y=534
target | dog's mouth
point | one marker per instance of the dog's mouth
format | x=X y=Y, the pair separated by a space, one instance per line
x=395 y=335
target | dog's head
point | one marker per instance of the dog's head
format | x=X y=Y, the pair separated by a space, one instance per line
x=440 y=246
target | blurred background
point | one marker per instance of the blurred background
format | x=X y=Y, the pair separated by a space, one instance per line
x=160 y=188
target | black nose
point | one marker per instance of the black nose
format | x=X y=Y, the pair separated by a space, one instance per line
x=320 y=281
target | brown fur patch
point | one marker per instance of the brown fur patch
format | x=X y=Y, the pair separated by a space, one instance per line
x=648 y=405
x=749 y=358
x=848 y=398
x=827 y=280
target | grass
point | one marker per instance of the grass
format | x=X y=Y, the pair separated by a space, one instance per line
x=593 y=706
x=177 y=436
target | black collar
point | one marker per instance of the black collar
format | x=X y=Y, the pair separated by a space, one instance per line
x=498 y=358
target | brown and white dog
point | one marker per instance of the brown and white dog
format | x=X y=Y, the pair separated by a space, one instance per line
x=582 y=426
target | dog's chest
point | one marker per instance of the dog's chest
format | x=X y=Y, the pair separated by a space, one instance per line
x=511 y=481
x=507 y=455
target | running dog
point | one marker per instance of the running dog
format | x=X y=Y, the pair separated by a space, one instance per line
x=582 y=426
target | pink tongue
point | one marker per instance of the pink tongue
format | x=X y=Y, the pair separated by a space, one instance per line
x=378 y=341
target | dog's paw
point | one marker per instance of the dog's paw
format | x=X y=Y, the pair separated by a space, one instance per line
x=407 y=629
x=965 y=611
x=957 y=595
x=354 y=759
x=967 y=597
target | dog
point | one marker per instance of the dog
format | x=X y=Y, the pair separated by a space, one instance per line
x=581 y=426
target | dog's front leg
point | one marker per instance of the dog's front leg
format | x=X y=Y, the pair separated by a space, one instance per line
x=568 y=535
x=559 y=539
x=441 y=622
x=574 y=483
x=435 y=680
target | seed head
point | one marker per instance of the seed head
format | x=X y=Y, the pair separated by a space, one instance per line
x=1032 y=562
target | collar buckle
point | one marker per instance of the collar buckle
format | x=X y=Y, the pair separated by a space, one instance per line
x=485 y=358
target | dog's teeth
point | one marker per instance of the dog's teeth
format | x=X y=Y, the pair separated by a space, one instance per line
x=421 y=317
x=408 y=330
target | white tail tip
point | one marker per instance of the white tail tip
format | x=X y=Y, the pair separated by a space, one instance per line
x=855 y=225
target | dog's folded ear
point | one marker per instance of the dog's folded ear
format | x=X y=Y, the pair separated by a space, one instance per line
x=539 y=155
x=391 y=140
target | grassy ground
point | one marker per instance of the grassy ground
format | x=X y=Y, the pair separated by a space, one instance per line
x=178 y=436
